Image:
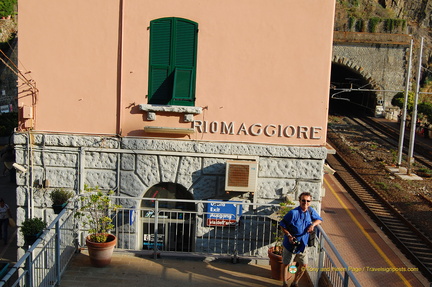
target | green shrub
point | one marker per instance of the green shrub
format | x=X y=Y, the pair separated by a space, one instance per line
x=373 y=23
x=7 y=7
x=33 y=226
x=425 y=109
x=60 y=196
x=360 y=25
x=382 y=185
x=399 y=98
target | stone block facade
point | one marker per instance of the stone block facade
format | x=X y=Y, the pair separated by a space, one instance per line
x=130 y=166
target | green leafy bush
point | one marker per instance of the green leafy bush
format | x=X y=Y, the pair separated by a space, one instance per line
x=60 y=196
x=7 y=7
x=373 y=22
x=33 y=226
x=399 y=98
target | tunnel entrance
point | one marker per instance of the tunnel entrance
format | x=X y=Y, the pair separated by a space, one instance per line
x=345 y=99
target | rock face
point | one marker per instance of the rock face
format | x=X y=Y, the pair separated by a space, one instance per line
x=359 y=16
x=419 y=16
x=417 y=10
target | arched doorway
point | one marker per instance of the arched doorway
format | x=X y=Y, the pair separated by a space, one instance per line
x=175 y=220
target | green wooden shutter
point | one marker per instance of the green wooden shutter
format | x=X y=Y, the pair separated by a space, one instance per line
x=173 y=45
x=185 y=62
x=183 y=87
x=160 y=88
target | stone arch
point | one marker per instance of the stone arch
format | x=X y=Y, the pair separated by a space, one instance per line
x=169 y=190
x=359 y=69
x=355 y=85
x=174 y=216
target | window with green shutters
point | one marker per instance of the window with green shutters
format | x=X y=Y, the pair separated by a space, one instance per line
x=173 y=48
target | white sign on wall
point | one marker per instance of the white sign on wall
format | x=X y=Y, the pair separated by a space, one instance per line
x=4 y=109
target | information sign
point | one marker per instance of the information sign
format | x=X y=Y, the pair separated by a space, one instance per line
x=222 y=213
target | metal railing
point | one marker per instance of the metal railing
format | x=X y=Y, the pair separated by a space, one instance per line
x=331 y=266
x=205 y=227
x=45 y=261
x=210 y=228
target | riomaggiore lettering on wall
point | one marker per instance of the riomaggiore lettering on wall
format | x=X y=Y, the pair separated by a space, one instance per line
x=257 y=129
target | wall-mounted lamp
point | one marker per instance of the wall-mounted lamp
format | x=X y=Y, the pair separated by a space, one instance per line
x=19 y=167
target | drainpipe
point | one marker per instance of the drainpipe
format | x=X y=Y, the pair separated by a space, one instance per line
x=120 y=69
x=81 y=164
x=29 y=177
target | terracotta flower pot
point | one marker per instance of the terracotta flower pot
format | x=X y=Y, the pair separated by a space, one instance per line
x=101 y=253
x=275 y=264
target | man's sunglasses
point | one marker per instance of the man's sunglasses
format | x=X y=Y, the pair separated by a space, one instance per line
x=304 y=200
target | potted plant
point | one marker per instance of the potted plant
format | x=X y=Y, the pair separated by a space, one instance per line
x=60 y=198
x=3 y=269
x=32 y=228
x=275 y=252
x=96 y=211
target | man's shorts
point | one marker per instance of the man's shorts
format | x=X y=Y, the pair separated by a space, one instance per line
x=288 y=257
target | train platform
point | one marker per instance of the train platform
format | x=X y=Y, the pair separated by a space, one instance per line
x=367 y=251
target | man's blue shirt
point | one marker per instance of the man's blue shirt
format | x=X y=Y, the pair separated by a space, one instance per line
x=297 y=222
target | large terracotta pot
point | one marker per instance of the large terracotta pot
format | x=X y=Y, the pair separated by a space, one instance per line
x=276 y=265
x=101 y=253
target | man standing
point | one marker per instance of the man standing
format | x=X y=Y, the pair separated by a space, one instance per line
x=296 y=226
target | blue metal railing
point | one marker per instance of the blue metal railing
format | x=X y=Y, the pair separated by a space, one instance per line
x=331 y=266
x=248 y=234
x=46 y=260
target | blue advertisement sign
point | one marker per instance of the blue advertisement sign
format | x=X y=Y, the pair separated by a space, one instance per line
x=222 y=213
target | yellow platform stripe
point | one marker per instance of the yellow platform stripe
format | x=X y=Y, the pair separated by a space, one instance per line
x=368 y=237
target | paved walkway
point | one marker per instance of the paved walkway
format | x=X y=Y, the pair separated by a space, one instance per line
x=140 y=269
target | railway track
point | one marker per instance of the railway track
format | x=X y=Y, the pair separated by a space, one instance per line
x=412 y=242
x=389 y=134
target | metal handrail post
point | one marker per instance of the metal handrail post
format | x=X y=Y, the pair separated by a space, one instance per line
x=346 y=279
x=237 y=219
x=29 y=277
x=320 y=258
x=57 y=252
x=156 y=229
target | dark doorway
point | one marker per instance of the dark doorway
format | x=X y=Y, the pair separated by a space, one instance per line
x=175 y=222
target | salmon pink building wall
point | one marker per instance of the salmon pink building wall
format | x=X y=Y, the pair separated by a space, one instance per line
x=263 y=68
x=261 y=103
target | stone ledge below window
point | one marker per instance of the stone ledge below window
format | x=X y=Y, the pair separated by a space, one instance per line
x=187 y=111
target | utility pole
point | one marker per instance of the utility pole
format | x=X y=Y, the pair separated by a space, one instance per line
x=404 y=112
x=414 y=113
